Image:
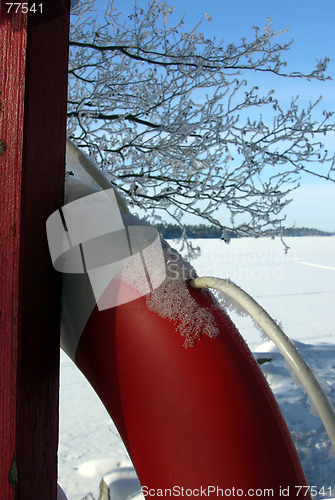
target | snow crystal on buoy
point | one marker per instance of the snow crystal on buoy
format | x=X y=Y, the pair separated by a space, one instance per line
x=172 y=300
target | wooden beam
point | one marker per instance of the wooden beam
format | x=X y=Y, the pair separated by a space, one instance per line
x=33 y=86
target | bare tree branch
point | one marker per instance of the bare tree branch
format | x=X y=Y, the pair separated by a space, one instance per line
x=171 y=117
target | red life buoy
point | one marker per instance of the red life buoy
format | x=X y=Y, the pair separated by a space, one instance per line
x=190 y=418
x=194 y=420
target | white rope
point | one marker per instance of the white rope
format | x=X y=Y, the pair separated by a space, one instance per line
x=295 y=361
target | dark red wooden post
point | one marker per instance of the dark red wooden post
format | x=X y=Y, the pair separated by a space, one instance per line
x=33 y=86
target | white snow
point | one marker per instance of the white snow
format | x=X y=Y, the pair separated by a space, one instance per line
x=172 y=300
x=298 y=290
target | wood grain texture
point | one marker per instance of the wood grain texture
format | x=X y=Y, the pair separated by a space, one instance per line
x=12 y=68
x=33 y=86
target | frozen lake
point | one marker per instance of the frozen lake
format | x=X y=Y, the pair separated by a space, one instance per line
x=298 y=290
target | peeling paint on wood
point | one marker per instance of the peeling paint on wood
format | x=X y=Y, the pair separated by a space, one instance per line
x=12 y=475
x=3 y=148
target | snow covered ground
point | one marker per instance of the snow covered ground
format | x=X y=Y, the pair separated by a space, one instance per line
x=298 y=290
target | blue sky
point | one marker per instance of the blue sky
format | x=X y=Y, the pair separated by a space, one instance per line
x=311 y=25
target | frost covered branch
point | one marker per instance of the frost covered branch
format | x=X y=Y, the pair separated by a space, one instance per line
x=170 y=116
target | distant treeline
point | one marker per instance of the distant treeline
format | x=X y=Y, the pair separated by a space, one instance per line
x=305 y=231
x=171 y=231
